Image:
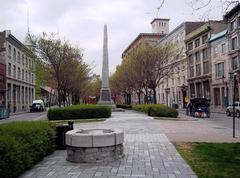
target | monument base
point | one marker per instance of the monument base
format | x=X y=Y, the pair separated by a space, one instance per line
x=105 y=98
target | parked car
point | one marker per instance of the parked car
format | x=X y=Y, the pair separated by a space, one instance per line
x=229 y=110
x=37 y=106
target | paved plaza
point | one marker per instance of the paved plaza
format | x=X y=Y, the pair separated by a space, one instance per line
x=148 y=153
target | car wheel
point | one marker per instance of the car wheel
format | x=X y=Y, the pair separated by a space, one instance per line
x=238 y=114
x=228 y=113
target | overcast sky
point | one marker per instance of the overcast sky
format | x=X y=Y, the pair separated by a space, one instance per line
x=81 y=21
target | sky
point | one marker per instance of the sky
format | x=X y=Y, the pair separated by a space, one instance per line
x=82 y=21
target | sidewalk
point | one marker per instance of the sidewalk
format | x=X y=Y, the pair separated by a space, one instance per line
x=148 y=154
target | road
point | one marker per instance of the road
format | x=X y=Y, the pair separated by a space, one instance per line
x=26 y=117
x=220 y=120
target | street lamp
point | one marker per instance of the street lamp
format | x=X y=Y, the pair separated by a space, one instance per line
x=225 y=92
x=234 y=87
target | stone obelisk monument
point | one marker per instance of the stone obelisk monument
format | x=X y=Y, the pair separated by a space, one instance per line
x=105 y=92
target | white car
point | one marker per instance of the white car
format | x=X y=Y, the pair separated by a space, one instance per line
x=38 y=105
x=229 y=110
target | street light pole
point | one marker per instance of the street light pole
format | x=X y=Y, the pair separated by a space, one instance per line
x=234 y=86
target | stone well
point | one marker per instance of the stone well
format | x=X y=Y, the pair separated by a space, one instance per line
x=94 y=145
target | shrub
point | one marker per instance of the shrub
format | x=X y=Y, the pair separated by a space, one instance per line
x=79 y=112
x=124 y=106
x=156 y=110
x=22 y=144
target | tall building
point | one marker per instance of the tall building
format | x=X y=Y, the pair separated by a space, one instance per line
x=199 y=58
x=20 y=72
x=173 y=88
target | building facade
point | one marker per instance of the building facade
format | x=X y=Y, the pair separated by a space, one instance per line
x=233 y=26
x=199 y=59
x=220 y=71
x=173 y=88
x=20 y=73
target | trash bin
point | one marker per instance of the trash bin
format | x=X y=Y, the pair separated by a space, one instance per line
x=61 y=131
x=4 y=113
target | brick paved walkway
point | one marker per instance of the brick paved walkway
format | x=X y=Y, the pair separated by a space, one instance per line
x=148 y=153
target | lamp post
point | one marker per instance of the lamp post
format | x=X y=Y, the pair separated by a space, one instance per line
x=234 y=86
x=225 y=91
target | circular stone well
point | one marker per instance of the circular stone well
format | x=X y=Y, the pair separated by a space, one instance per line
x=94 y=145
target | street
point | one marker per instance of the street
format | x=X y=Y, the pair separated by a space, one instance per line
x=26 y=117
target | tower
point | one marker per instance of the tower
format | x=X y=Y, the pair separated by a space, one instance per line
x=160 y=25
x=105 y=92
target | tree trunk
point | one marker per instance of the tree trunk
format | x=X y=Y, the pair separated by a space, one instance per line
x=154 y=96
x=139 y=97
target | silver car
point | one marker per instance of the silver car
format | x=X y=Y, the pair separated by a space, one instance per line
x=229 y=110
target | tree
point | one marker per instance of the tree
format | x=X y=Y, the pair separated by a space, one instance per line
x=144 y=68
x=65 y=66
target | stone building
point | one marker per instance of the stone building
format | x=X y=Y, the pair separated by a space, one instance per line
x=233 y=26
x=160 y=27
x=199 y=58
x=173 y=88
x=220 y=71
x=20 y=73
x=2 y=75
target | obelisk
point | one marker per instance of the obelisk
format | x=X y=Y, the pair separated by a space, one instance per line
x=105 y=92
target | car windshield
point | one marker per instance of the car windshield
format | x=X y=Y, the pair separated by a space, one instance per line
x=36 y=104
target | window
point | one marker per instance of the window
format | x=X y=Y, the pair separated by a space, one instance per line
x=197 y=57
x=14 y=54
x=32 y=79
x=22 y=74
x=9 y=69
x=26 y=76
x=192 y=90
x=191 y=65
x=22 y=59
x=197 y=43
x=233 y=25
x=190 y=46
x=29 y=77
x=204 y=39
x=14 y=71
x=178 y=81
x=198 y=69
x=18 y=57
x=198 y=63
x=205 y=54
x=26 y=62
x=224 y=50
x=9 y=51
x=234 y=43
x=172 y=81
x=219 y=70
x=205 y=67
x=234 y=63
x=215 y=51
x=19 y=73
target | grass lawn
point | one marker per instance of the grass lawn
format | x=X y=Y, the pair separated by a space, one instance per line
x=213 y=160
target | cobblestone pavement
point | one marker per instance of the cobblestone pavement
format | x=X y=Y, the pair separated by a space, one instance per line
x=148 y=153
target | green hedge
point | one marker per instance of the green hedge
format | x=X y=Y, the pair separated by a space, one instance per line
x=79 y=112
x=156 y=110
x=22 y=144
x=124 y=106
